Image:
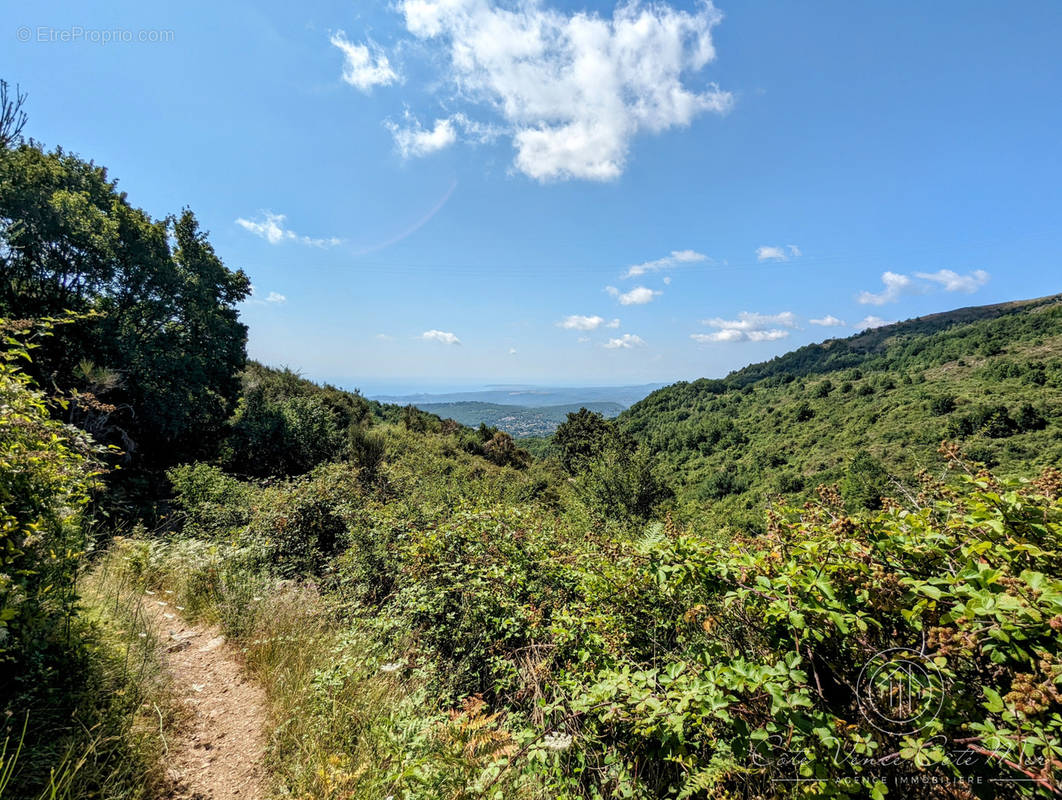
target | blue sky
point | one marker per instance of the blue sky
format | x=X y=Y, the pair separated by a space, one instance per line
x=432 y=193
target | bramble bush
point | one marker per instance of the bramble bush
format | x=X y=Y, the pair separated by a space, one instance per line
x=761 y=689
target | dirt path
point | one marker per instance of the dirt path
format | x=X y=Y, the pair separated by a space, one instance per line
x=217 y=753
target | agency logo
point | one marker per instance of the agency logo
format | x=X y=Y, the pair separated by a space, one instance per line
x=900 y=691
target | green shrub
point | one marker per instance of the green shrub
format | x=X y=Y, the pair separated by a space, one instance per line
x=47 y=471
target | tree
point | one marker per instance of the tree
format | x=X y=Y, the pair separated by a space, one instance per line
x=584 y=436
x=865 y=482
x=622 y=484
x=12 y=117
x=281 y=427
x=161 y=304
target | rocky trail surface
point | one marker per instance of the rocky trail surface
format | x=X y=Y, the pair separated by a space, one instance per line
x=218 y=749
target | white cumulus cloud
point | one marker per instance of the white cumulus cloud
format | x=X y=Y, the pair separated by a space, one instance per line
x=750 y=321
x=578 y=322
x=627 y=341
x=364 y=66
x=639 y=295
x=897 y=285
x=829 y=321
x=445 y=337
x=676 y=258
x=748 y=327
x=574 y=88
x=736 y=335
x=271 y=227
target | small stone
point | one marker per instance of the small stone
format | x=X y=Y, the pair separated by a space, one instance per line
x=213 y=644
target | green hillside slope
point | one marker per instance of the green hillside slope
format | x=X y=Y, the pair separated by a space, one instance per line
x=865 y=409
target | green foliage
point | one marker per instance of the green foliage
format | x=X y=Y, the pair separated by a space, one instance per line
x=865 y=483
x=622 y=485
x=899 y=391
x=761 y=682
x=942 y=404
x=585 y=436
x=69 y=695
x=166 y=322
x=47 y=470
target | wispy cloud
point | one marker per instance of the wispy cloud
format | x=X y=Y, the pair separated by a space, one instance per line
x=896 y=285
x=676 y=258
x=573 y=89
x=735 y=335
x=775 y=253
x=273 y=298
x=444 y=337
x=952 y=281
x=872 y=322
x=829 y=321
x=748 y=327
x=271 y=227
x=364 y=66
x=627 y=341
x=415 y=141
x=639 y=295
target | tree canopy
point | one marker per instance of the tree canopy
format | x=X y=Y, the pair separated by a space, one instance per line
x=161 y=345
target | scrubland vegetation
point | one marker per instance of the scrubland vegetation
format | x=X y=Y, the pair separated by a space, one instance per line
x=677 y=604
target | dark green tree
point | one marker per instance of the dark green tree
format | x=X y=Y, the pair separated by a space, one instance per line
x=585 y=436
x=865 y=483
x=162 y=305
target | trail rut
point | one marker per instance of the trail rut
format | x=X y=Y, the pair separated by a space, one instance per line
x=217 y=752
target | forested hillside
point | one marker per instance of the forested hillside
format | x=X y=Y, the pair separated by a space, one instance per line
x=864 y=410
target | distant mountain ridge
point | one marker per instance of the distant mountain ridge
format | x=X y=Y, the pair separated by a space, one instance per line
x=530 y=396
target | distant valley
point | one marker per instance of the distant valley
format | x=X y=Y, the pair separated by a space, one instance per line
x=524 y=410
x=515 y=420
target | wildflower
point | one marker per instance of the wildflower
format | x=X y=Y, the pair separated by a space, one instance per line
x=392 y=667
x=557 y=741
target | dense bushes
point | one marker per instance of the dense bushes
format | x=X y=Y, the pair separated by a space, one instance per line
x=69 y=699
x=47 y=471
x=762 y=683
x=684 y=663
